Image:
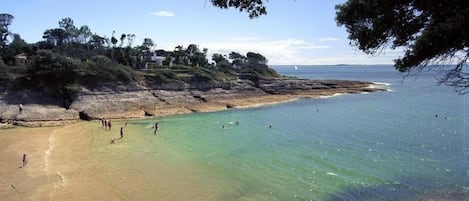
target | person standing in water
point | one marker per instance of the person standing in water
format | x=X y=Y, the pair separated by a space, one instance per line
x=156 y=128
x=122 y=132
x=109 y=125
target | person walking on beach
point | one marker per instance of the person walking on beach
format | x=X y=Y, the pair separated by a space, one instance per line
x=109 y=125
x=25 y=160
x=122 y=132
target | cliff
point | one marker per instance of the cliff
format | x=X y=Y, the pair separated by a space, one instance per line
x=136 y=101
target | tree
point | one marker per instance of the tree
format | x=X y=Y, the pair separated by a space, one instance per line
x=54 y=74
x=180 y=55
x=113 y=39
x=254 y=8
x=70 y=29
x=55 y=36
x=123 y=36
x=97 y=41
x=84 y=34
x=255 y=58
x=192 y=49
x=148 y=43
x=431 y=32
x=221 y=62
x=130 y=39
x=238 y=59
x=5 y=21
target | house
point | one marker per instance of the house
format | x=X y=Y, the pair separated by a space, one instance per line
x=21 y=59
x=158 y=60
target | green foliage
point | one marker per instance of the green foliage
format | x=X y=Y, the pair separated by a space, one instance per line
x=53 y=73
x=48 y=68
x=62 y=76
x=100 y=69
x=431 y=32
x=70 y=59
x=255 y=58
x=161 y=76
x=258 y=71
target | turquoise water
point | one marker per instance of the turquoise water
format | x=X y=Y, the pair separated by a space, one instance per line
x=377 y=146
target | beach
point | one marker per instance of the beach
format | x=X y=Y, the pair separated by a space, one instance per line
x=17 y=183
x=64 y=165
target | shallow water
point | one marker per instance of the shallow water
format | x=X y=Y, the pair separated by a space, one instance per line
x=377 y=146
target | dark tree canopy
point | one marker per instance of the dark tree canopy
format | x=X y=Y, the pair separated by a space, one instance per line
x=430 y=31
x=254 y=8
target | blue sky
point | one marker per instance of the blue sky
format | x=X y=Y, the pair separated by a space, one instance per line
x=293 y=32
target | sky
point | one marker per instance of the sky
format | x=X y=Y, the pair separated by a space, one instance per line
x=294 y=32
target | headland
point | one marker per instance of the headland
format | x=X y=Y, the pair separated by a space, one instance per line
x=138 y=101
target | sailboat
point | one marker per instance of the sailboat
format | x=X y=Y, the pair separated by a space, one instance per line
x=296 y=67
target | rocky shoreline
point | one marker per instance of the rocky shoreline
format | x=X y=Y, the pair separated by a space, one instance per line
x=137 y=101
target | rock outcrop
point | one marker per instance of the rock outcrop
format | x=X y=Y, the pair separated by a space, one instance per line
x=135 y=101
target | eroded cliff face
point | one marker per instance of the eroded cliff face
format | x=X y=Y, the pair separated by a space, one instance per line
x=136 y=101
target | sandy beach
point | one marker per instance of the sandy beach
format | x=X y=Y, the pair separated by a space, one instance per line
x=17 y=183
x=65 y=164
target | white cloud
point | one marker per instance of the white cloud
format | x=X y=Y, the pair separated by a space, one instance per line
x=292 y=51
x=329 y=39
x=276 y=51
x=163 y=13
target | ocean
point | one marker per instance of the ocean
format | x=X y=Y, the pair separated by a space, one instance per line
x=408 y=143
